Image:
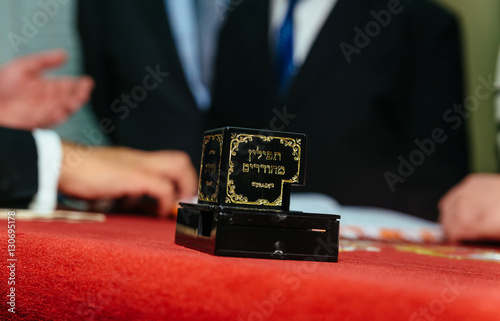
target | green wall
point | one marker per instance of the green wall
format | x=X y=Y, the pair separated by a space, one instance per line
x=480 y=20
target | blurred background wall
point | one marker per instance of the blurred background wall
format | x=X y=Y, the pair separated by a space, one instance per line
x=480 y=20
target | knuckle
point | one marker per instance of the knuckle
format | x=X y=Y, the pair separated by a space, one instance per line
x=183 y=157
x=168 y=188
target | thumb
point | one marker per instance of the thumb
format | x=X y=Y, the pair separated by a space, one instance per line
x=163 y=190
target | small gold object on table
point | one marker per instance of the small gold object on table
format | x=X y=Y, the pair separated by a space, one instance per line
x=244 y=200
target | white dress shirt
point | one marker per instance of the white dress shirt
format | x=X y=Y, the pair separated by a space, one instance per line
x=309 y=18
x=49 y=150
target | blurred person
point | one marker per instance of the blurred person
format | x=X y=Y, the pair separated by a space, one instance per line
x=470 y=211
x=36 y=164
x=151 y=62
x=29 y=99
x=375 y=84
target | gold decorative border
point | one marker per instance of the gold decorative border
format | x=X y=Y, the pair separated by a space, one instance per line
x=236 y=140
x=215 y=196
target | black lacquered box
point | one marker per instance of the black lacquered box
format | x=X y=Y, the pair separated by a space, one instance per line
x=244 y=199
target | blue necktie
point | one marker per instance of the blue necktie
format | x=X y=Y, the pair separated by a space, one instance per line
x=285 y=68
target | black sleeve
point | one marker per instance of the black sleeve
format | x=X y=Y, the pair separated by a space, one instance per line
x=92 y=30
x=225 y=79
x=18 y=168
x=436 y=93
x=242 y=68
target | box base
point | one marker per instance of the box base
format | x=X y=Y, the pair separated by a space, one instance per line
x=268 y=234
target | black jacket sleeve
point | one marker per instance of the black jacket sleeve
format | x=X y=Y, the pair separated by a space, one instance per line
x=18 y=168
x=386 y=127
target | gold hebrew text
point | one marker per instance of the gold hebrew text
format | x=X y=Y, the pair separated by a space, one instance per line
x=266 y=169
x=260 y=154
x=263 y=185
x=211 y=169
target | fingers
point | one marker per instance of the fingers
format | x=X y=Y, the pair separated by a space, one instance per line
x=83 y=88
x=105 y=173
x=449 y=198
x=471 y=210
x=39 y=62
x=176 y=166
x=61 y=98
x=170 y=175
x=163 y=190
x=455 y=215
x=72 y=93
x=132 y=179
x=185 y=177
x=27 y=94
x=455 y=212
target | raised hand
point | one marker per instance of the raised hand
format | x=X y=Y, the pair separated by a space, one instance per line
x=29 y=99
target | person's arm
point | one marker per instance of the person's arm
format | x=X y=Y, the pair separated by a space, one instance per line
x=88 y=172
x=18 y=168
x=29 y=99
x=471 y=210
x=109 y=173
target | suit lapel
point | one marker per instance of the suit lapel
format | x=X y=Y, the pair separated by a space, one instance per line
x=258 y=44
x=266 y=54
x=156 y=15
x=325 y=52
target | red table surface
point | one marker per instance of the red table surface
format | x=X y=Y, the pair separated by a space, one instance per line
x=129 y=268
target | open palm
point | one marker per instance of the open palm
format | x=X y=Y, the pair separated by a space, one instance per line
x=29 y=99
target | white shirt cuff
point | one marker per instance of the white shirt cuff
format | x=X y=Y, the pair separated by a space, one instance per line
x=49 y=148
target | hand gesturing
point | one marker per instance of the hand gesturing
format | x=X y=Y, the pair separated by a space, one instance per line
x=29 y=99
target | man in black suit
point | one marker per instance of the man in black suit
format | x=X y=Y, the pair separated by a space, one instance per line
x=18 y=168
x=147 y=96
x=375 y=84
x=470 y=211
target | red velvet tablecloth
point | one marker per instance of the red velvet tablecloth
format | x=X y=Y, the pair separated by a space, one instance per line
x=129 y=268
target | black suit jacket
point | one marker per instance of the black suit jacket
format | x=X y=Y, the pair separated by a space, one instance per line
x=362 y=116
x=122 y=41
x=18 y=168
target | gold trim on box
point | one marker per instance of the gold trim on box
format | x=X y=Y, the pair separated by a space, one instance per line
x=236 y=140
x=215 y=196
